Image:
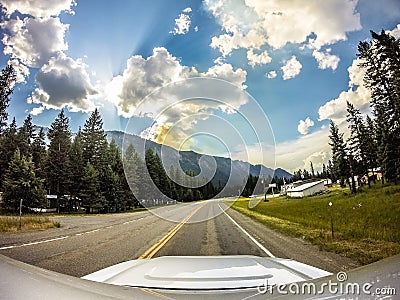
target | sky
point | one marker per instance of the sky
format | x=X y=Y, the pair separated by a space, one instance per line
x=255 y=80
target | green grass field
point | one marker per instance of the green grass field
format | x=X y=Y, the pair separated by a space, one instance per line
x=30 y=222
x=366 y=225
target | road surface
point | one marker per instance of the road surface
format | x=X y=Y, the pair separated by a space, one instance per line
x=85 y=244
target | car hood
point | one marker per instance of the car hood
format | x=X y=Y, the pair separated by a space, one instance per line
x=206 y=272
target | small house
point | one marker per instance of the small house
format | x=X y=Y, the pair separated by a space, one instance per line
x=306 y=189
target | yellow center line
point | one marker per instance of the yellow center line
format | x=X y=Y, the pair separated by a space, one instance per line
x=149 y=253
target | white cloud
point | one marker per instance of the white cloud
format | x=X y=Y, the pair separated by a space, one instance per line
x=311 y=147
x=258 y=59
x=271 y=74
x=63 y=81
x=395 y=32
x=37 y=110
x=254 y=23
x=182 y=23
x=34 y=41
x=304 y=126
x=291 y=68
x=158 y=85
x=20 y=69
x=357 y=94
x=38 y=8
x=226 y=72
x=326 y=60
x=143 y=76
x=187 y=10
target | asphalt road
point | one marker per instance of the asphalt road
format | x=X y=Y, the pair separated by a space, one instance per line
x=85 y=244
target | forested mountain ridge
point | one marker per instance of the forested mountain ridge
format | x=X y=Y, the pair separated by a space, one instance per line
x=188 y=160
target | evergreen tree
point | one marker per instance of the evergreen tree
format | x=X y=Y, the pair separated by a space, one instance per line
x=8 y=145
x=372 y=146
x=90 y=193
x=7 y=80
x=134 y=170
x=381 y=60
x=58 y=167
x=26 y=135
x=357 y=144
x=94 y=141
x=39 y=154
x=340 y=167
x=312 y=169
x=20 y=182
x=75 y=157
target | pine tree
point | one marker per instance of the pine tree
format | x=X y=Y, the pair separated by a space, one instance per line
x=58 y=166
x=381 y=60
x=26 y=135
x=134 y=170
x=357 y=144
x=8 y=145
x=20 y=182
x=7 y=80
x=94 y=141
x=90 y=193
x=75 y=157
x=124 y=197
x=372 y=152
x=39 y=154
x=340 y=167
x=312 y=169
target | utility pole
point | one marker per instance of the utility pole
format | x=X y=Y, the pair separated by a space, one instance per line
x=20 y=214
x=330 y=209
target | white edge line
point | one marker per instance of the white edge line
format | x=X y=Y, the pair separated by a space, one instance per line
x=248 y=234
x=35 y=243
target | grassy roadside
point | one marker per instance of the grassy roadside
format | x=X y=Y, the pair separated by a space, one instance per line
x=366 y=225
x=30 y=222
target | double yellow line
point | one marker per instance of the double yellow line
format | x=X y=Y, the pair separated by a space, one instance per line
x=149 y=253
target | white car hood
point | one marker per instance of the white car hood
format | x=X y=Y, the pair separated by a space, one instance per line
x=206 y=272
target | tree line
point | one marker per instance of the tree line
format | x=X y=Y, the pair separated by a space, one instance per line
x=82 y=170
x=374 y=142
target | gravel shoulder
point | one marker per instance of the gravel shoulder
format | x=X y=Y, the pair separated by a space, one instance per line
x=297 y=249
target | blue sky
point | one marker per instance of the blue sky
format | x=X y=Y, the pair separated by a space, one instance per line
x=291 y=65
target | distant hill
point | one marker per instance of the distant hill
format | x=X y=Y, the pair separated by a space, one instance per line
x=189 y=160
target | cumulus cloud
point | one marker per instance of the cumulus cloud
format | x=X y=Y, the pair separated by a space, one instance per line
x=182 y=23
x=63 y=82
x=395 y=32
x=20 y=69
x=39 y=8
x=254 y=23
x=326 y=59
x=34 y=41
x=304 y=126
x=143 y=76
x=271 y=74
x=258 y=59
x=311 y=147
x=357 y=94
x=291 y=68
x=155 y=87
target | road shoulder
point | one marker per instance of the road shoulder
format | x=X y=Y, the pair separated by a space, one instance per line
x=294 y=248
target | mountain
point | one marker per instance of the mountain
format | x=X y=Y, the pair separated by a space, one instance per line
x=219 y=170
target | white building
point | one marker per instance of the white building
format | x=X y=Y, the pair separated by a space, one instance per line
x=306 y=189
